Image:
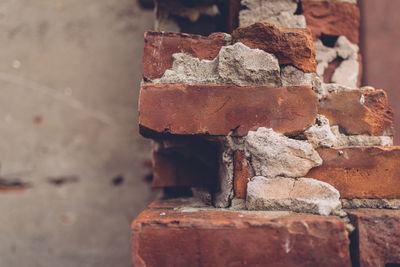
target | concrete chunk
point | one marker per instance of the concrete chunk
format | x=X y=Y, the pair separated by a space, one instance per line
x=299 y=195
x=273 y=154
x=240 y=65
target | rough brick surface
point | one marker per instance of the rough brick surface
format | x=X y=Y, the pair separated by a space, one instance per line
x=241 y=174
x=159 y=47
x=364 y=112
x=290 y=46
x=377 y=237
x=162 y=236
x=361 y=172
x=219 y=109
x=332 y=18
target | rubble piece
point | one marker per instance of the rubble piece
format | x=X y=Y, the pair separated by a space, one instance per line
x=299 y=195
x=347 y=73
x=240 y=65
x=292 y=76
x=273 y=154
x=190 y=70
x=290 y=46
x=225 y=193
x=279 y=12
x=320 y=134
x=235 y=64
x=345 y=49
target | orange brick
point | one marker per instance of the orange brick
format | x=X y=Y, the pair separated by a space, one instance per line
x=162 y=236
x=372 y=117
x=361 y=172
x=376 y=241
x=241 y=174
x=220 y=109
x=332 y=18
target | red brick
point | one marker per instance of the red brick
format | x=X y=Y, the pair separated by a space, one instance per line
x=168 y=237
x=290 y=46
x=377 y=238
x=234 y=7
x=374 y=117
x=242 y=172
x=332 y=18
x=360 y=172
x=330 y=70
x=219 y=109
x=159 y=47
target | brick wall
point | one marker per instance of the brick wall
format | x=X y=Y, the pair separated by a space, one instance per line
x=268 y=131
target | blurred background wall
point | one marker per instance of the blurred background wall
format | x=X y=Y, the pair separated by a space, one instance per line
x=380 y=38
x=69 y=83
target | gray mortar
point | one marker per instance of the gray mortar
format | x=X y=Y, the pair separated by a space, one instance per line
x=166 y=13
x=235 y=64
x=292 y=76
x=229 y=144
x=343 y=1
x=371 y=203
x=360 y=140
x=348 y=71
x=323 y=135
x=320 y=134
x=278 y=12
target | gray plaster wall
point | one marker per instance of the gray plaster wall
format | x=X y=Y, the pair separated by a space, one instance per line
x=69 y=83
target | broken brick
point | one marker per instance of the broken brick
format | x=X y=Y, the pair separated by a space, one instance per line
x=220 y=109
x=242 y=172
x=360 y=172
x=159 y=47
x=359 y=112
x=290 y=46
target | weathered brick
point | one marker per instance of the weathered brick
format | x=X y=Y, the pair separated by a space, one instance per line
x=220 y=109
x=360 y=172
x=376 y=241
x=242 y=172
x=159 y=47
x=365 y=112
x=162 y=236
x=332 y=18
x=290 y=46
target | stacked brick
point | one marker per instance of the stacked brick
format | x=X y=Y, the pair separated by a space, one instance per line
x=280 y=149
